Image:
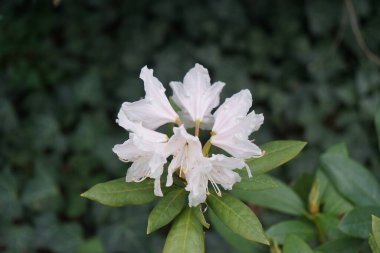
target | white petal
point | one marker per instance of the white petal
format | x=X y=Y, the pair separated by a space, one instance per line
x=156 y=165
x=232 y=111
x=198 y=182
x=154 y=110
x=195 y=200
x=233 y=126
x=126 y=151
x=236 y=146
x=138 y=129
x=196 y=96
x=139 y=170
x=251 y=123
x=157 y=187
x=222 y=170
x=186 y=150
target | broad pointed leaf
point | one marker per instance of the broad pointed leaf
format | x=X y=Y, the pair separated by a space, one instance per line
x=328 y=223
x=376 y=229
x=375 y=246
x=357 y=223
x=294 y=244
x=352 y=180
x=119 y=193
x=346 y=245
x=186 y=234
x=166 y=209
x=238 y=242
x=302 y=229
x=238 y=217
x=281 y=198
x=276 y=154
x=256 y=183
x=332 y=201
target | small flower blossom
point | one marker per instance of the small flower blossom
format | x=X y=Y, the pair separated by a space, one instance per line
x=196 y=96
x=219 y=169
x=154 y=110
x=233 y=126
x=186 y=150
x=147 y=159
x=146 y=149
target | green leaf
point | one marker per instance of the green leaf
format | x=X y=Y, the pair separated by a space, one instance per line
x=302 y=229
x=338 y=149
x=93 y=245
x=294 y=244
x=169 y=206
x=352 y=180
x=330 y=199
x=281 y=198
x=238 y=217
x=334 y=203
x=375 y=246
x=238 y=242
x=376 y=229
x=186 y=234
x=119 y=193
x=377 y=124
x=276 y=154
x=322 y=180
x=328 y=223
x=357 y=223
x=256 y=183
x=201 y=218
x=346 y=245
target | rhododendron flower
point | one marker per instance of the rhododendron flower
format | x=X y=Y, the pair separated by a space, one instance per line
x=150 y=150
x=146 y=149
x=219 y=169
x=186 y=150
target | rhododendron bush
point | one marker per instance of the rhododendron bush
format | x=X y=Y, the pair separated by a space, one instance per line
x=197 y=178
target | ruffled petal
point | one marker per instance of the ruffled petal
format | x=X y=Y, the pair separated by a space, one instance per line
x=197 y=182
x=237 y=147
x=196 y=96
x=186 y=150
x=251 y=123
x=128 y=151
x=138 y=129
x=232 y=111
x=139 y=170
x=154 y=110
x=233 y=126
x=223 y=170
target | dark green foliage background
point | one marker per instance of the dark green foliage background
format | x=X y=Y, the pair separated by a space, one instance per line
x=65 y=70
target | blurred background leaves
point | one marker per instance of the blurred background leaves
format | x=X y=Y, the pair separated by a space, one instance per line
x=66 y=68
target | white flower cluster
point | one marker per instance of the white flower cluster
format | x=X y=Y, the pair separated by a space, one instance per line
x=149 y=150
